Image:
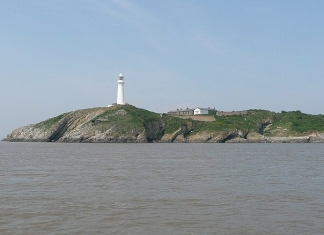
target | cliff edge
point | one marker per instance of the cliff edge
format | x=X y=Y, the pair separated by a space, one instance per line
x=128 y=124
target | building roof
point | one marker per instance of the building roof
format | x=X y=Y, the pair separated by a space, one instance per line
x=180 y=110
x=205 y=108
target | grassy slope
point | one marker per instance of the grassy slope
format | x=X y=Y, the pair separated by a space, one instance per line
x=132 y=121
x=294 y=123
x=47 y=124
x=136 y=118
x=249 y=122
x=297 y=122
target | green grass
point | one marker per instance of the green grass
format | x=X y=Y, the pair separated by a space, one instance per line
x=134 y=119
x=249 y=121
x=293 y=122
x=173 y=124
x=303 y=123
x=47 y=124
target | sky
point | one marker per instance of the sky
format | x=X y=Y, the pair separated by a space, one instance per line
x=58 y=56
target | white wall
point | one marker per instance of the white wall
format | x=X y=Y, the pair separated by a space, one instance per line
x=200 y=111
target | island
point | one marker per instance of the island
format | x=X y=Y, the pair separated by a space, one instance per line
x=129 y=124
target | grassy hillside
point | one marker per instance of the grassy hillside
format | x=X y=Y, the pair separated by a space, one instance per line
x=136 y=118
x=297 y=122
x=128 y=118
x=132 y=117
x=291 y=123
x=47 y=124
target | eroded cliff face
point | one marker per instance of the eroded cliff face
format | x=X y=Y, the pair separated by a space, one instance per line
x=154 y=130
x=128 y=124
x=88 y=126
x=54 y=129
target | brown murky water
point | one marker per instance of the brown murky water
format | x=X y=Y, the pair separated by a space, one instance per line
x=51 y=188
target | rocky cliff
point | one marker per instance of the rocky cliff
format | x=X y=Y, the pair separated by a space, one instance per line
x=128 y=124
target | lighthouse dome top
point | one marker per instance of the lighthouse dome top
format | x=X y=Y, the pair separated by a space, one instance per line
x=120 y=77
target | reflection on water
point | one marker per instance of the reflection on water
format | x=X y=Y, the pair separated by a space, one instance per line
x=51 y=188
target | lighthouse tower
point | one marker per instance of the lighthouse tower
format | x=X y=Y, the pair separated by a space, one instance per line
x=120 y=89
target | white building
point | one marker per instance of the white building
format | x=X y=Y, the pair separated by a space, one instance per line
x=182 y=112
x=198 y=111
x=120 y=89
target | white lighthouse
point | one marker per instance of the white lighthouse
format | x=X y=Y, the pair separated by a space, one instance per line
x=120 y=89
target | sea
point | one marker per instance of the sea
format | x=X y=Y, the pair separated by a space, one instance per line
x=245 y=189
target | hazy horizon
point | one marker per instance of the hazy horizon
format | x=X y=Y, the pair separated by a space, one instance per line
x=61 y=56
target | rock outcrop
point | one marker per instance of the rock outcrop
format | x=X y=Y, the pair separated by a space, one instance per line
x=128 y=124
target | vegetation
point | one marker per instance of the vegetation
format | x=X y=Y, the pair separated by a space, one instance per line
x=47 y=124
x=135 y=116
x=299 y=122
x=173 y=124
x=126 y=118
x=291 y=123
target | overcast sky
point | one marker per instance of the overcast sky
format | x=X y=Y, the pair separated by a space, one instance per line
x=62 y=55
